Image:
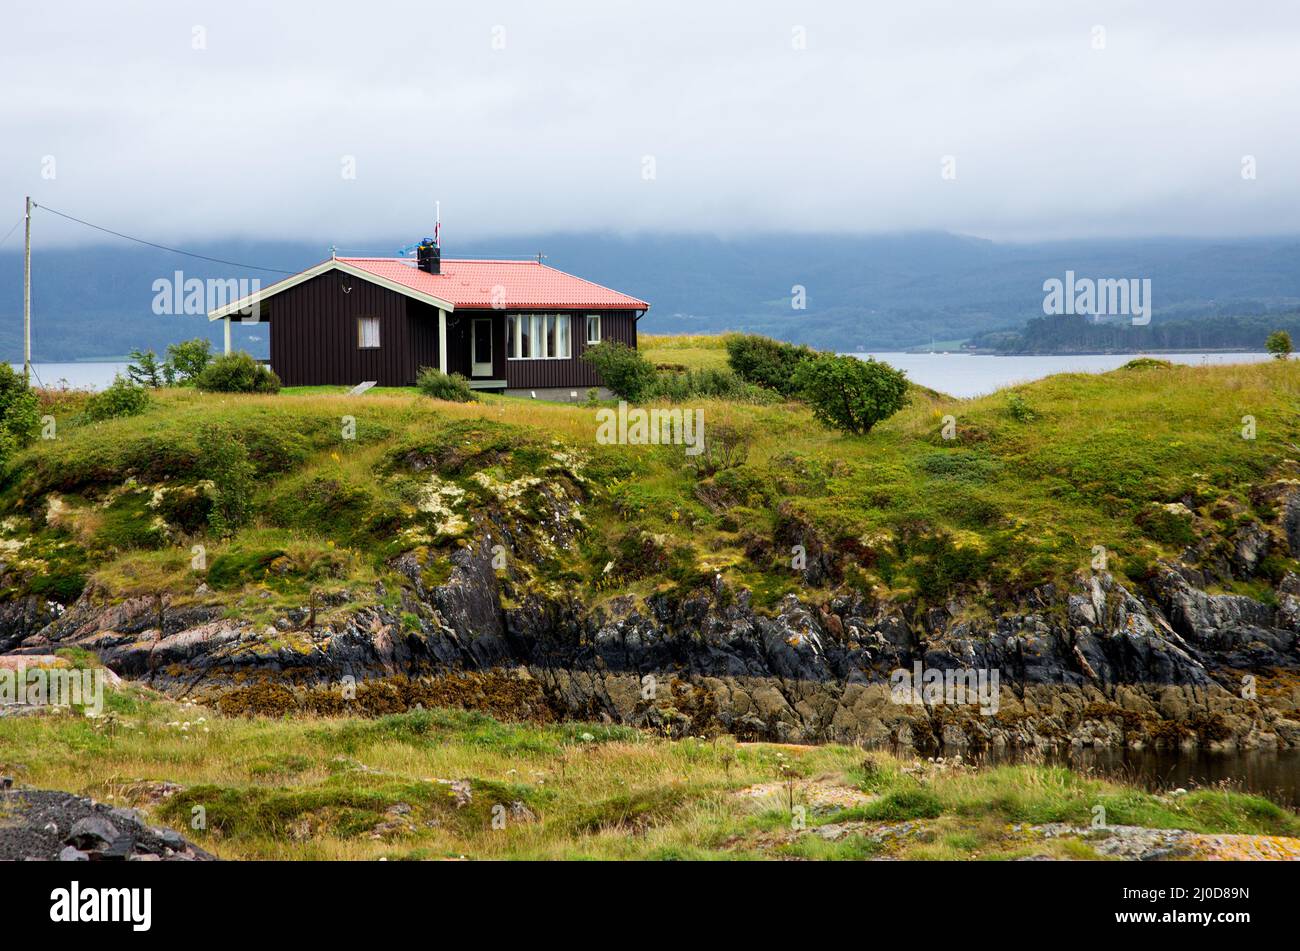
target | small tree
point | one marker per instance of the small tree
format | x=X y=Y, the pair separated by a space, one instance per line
x=188 y=359
x=145 y=369
x=849 y=394
x=625 y=371
x=223 y=458
x=1278 y=344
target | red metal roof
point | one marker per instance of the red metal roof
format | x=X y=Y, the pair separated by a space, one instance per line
x=498 y=284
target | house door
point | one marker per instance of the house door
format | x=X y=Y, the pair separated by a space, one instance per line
x=481 y=346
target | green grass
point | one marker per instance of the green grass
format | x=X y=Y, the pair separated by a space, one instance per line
x=1036 y=477
x=692 y=351
x=308 y=788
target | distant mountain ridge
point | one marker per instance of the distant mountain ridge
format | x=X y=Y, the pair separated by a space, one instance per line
x=876 y=292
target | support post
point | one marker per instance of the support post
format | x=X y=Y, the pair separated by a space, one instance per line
x=226 y=321
x=27 y=293
x=442 y=340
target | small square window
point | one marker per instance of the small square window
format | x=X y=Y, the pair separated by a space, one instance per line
x=593 y=328
x=368 y=333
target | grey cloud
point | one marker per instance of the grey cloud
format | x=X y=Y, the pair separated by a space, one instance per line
x=1051 y=137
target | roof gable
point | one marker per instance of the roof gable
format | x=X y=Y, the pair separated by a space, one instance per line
x=335 y=264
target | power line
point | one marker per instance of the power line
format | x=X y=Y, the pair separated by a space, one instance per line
x=162 y=247
x=11 y=232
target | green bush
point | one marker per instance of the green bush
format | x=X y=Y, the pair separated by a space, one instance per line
x=442 y=386
x=849 y=394
x=767 y=362
x=237 y=373
x=707 y=383
x=20 y=414
x=1279 y=344
x=903 y=805
x=223 y=458
x=188 y=359
x=1019 y=410
x=1147 y=363
x=625 y=371
x=122 y=398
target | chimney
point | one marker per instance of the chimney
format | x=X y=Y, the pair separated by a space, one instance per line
x=428 y=257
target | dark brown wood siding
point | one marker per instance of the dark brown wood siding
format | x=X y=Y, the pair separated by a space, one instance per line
x=424 y=331
x=314 y=333
x=314 y=338
x=615 y=326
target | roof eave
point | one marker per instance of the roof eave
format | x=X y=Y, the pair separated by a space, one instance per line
x=244 y=304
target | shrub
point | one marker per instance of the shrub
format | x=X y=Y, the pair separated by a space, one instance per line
x=767 y=362
x=625 y=371
x=726 y=446
x=20 y=414
x=1279 y=344
x=1147 y=363
x=903 y=805
x=223 y=458
x=707 y=383
x=237 y=373
x=441 y=386
x=1018 y=409
x=849 y=394
x=123 y=397
x=188 y=359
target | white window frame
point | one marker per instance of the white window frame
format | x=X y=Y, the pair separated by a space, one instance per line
x=592 y=341
x=362 y=324
x=546 y=333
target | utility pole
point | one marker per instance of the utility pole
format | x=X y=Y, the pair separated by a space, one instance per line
x=27 y=295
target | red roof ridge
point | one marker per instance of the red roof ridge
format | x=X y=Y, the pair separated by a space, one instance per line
x=411 y=261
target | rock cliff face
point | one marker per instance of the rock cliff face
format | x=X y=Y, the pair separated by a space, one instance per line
x=1096 y=664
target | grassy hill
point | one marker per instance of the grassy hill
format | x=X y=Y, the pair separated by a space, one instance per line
x=343 y=491
x=1140 y=461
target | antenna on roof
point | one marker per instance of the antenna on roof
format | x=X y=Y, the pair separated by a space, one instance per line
x=333 y=252
x=540 y=255
x=437 y=223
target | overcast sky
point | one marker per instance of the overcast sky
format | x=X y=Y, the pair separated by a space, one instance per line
x=192 y=121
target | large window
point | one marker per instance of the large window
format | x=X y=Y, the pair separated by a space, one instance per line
x=593 y=328
x=368 y=333
x=538 y=337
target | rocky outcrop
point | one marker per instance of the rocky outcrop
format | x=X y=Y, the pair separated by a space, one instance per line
x=46 y=825
x=1096 y=664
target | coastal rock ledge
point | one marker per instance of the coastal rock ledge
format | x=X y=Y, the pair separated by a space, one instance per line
x=1092 y=665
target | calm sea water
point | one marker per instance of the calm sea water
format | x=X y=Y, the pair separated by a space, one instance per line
x=958 y=374
x=94 y=376
x=1271 y=773
x=966 y=374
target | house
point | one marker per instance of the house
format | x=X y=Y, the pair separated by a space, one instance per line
x=512 y=326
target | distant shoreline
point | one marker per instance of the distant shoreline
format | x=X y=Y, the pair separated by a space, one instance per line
x=975 y=352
